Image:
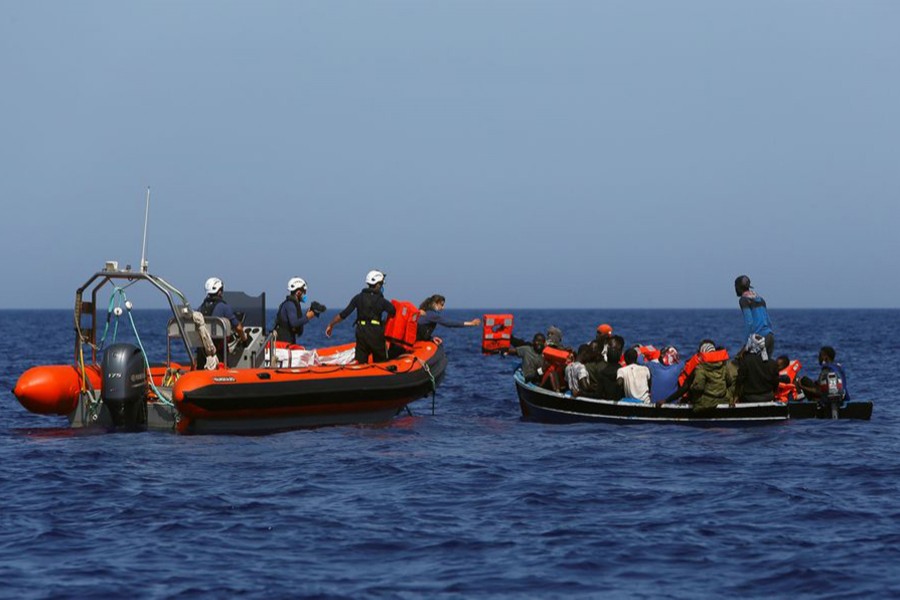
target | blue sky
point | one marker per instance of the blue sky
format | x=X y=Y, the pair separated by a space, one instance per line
x=506 y=154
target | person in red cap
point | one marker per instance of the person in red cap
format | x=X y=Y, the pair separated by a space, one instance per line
x=602 y=341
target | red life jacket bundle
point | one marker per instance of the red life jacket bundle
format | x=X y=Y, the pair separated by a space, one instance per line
x=555 y=361
x=496 y=333
x=786 y=390
x=401 y=328
x=649 y=352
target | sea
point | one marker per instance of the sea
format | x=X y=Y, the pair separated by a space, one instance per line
x=461 y=497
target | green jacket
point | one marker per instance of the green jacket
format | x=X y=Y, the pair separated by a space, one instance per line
x=713 y=384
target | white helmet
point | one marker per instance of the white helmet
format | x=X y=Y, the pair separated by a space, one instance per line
x=295 y=283
x=374 y=277
x=213 y=285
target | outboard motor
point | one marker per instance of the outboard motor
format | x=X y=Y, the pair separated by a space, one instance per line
x=124 y=385
x=832 y=388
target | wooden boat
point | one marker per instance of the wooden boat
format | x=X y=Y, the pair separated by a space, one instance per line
x=547 y=406
x=114 y=386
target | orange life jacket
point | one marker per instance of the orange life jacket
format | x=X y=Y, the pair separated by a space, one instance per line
x=555 y=361
x=401 y=328
x=649 y=352
x=787 y=391
x=692 y=362
x=496 y=333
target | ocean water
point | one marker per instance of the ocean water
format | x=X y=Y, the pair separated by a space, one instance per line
x=470 y=501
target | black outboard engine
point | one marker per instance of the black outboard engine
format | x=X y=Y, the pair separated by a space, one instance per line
x=833 y=394
x=124 y=385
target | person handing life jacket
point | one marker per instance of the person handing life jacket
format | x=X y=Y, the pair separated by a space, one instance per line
x=370 y=306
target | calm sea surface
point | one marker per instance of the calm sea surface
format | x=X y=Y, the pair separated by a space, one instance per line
x=470 y=501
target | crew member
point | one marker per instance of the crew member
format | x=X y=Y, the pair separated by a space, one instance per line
x=756 y=315
x=290 y=318
x=370 y=306
x=431 y=315
x=214 y=305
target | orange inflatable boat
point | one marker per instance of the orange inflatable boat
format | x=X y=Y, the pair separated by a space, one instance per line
x=258 y=385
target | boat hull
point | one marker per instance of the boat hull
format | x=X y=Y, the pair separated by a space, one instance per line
x=251 y=400
x=546 y=406
x=812 y=410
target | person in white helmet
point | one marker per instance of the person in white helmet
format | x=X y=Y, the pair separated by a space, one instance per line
x=290 y=318
x=214 y=305
x=370 y=306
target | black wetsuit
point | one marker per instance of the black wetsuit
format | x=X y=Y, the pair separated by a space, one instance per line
x=370 y=305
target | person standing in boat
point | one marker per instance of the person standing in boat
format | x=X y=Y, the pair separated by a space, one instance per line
x=370 y=306
x=214 y=305
x=290 y=318
x=757 y=377
x=755 y=312
x=431 y=315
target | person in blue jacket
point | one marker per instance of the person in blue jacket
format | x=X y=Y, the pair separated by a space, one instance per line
x=755 y=312
x=214 y=305
x=431 y=315
x=290 y=318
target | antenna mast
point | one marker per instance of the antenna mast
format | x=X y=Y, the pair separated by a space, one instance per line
x=144 y=263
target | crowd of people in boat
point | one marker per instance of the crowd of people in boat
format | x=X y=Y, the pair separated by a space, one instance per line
x=606 y=368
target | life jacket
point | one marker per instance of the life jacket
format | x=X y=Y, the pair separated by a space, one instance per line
x=209 y=304
x=786 y=390
x=649 y=352
x=555 y=361
x=496 y=333
x=402 y=327
x=370 y=307
x=283 y=329
x=692 y=362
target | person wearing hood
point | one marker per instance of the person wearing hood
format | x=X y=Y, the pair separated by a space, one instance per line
x=370 y=306
x=757 y=377
x=712 y=382
x=554 y=337
x=755 y=313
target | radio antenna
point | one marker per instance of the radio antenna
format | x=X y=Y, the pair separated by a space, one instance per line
x=144 y=263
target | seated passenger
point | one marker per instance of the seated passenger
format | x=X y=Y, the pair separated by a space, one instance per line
x=817 y=390
x=554 y=337
x=214 y=305
x=532 y=358
x=594 y=364
x=663 y=373
x=609 y=376
x=787 y=375
x=686 y=377
x=431 y=315
x=757 y=375
x=711 y=381
x=577 y=377
x=634 y=379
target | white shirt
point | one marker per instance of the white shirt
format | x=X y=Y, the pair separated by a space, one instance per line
x=575 y=372
x=637 y=381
